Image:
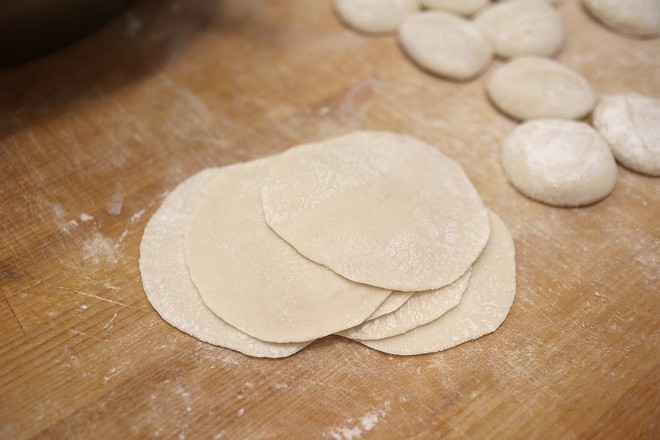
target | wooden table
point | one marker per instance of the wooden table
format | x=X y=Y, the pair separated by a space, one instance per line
x=93 y=137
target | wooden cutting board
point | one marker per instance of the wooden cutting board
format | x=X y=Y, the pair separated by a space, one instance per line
x=92 y=139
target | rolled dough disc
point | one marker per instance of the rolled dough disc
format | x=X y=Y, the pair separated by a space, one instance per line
x=393 y=302
x=378 y=208
x=375 y=16
x=253 y=279
x=631 y=125
x=535 y=87
x=483 y=307
x=463 y=7
x=446 y=44
x=636 y=17
x=420 y=309
x=522 y=27
x=167 y=282
x=562 y=163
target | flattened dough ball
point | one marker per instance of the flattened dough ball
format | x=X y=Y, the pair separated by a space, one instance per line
x=446 y=44
x=375 y=16
x=522 y=27
x=535 y=87
x=483 y=307
x=636 y=17
x=463 y=7
x=254 y=280
x=167 y=283
x=561 y=163
x=378 y=208
x=631 y=125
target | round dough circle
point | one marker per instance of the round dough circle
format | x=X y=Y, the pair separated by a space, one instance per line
x=421 y=309
x=445 y=44
x=463 y=7
x=375 y=16
x=535 y=87
x=253 y=279
x=378 y=208
x=522 y=27
x=166 y=280
x=636 y=17
x=561 y=163
x=483 y=307
x=631 y=125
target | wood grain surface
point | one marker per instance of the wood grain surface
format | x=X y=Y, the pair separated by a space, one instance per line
x=93 y=137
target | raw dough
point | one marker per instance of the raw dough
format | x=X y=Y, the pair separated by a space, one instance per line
x=167 y=283
x=421 y=309
x=375 y=16
x=446 y=44
x=378 y=208
x=392 y=303
x=550 y=2
x=522 y=27
x=563 y=163
x=631 y=125
x=535 y=87
x=463 y=7
x=636 y=17
x=254 y=280
x=484 y=306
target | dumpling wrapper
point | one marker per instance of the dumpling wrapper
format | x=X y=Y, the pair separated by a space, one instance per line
x=484 y=305
x=421 y=309
x=166 y=280
x=378 y=208
x=254 y=280
x=391 y=303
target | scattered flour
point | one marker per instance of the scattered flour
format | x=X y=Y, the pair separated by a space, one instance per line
x=99 y=248
x=113 y=207
x=353 y=429
x=86 y=217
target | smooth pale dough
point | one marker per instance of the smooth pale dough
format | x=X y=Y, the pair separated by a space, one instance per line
x=550 y=2
x=636 y=17
x=253 y=279
x=378 y=208
x=534 y=87
x=631 y=125
x=421 y=309
x=483 y=307
x=463 y=7
x=167 y=282
x=446 y=44
x=392 y=303
x=561 y=163
x=522 y=27
x=375 y=16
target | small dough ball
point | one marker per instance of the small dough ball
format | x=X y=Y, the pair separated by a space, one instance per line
x=631 y=125
x=550 y=2
x=535 y=87
x=522 y=27
x=636 y=17
x=446 y=44
x=463 y=7
x=561 y=163
x=375 y=16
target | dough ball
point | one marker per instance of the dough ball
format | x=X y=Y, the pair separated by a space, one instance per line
x=483 y=307
x=375 y=16
x=253 y=279
x=535 y=87
x=561 y=163
x=631 y=125
x=636 y=17
x=378 y=208
x=463 y=7
x=522 y=27
x=445 y=44
x=167 y=283
x=550 y=2
x=420 y=309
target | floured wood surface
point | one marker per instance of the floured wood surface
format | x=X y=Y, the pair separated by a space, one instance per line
x=92 y=139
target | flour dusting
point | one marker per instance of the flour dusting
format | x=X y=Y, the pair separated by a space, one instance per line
x=98 y=249
x=353 y=429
